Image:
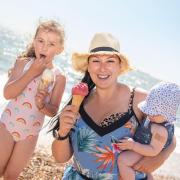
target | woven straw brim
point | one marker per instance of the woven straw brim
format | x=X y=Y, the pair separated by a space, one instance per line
x=80 y=61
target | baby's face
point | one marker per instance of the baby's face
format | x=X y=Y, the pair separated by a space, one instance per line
x=157 y=118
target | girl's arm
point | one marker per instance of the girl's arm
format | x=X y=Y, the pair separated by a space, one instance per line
x=62 y=149
x=51 y=108
x=18 y=82
x=15 y=85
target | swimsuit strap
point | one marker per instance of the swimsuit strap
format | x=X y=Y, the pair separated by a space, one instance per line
x=130 y=107
x=115 y=117
x=28 y=64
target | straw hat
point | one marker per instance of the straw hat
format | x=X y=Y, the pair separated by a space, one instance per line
x=102 y=43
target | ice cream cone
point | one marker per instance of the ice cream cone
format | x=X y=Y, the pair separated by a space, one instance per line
x=47 y=79
x=77 y=100
x=79 y=92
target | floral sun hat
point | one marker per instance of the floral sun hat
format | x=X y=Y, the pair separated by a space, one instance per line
x=163 y=99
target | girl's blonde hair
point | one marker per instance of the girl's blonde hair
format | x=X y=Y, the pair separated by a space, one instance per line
x=50 y=26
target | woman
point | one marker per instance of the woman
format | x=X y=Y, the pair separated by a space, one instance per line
x=105 y=115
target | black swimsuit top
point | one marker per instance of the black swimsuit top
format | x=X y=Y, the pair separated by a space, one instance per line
x=114 y=121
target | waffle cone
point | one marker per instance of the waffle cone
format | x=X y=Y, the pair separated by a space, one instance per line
x=77 y=100
x=43 y=85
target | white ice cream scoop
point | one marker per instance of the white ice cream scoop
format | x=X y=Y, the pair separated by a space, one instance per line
x=47 y=79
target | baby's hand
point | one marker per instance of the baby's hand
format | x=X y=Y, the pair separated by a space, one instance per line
x=40 y=99
x=126 y=143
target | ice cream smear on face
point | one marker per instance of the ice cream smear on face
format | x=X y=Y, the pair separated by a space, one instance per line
x=79 y=92
x=47 y=79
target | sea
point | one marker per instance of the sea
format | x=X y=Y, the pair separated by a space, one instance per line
x=13 y=43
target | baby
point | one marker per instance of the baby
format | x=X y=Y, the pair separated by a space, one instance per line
x=155 y=132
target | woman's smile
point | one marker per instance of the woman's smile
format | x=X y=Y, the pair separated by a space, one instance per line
x=103 y=77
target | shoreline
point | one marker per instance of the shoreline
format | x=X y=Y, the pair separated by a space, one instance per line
x=43 y=167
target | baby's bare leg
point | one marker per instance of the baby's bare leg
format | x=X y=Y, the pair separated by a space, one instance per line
x=126 y=160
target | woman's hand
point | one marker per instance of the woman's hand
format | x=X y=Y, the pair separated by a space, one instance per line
x=40 y=98
x=67 y=118
x=63 y=150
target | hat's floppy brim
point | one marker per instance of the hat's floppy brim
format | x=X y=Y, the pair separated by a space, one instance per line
x=80 y=61
x=152 y=111
x=146 y=109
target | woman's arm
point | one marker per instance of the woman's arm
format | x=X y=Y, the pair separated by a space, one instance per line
x=62 y=149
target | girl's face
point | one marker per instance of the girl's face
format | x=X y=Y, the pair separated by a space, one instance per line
x=157 y=118
x=104 y=69
x=47 y=45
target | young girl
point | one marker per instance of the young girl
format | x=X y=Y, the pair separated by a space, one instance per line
x=23 y=117
x=156 y=131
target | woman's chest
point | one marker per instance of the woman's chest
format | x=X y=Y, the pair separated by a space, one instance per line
x=99 y=113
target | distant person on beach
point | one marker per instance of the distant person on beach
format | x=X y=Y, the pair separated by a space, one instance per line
x=155 y=131
x=87 y=134
x=31 y=98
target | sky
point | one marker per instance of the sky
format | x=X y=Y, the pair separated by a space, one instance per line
x=148 y=31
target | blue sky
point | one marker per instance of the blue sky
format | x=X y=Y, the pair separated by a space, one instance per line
x=148 y=30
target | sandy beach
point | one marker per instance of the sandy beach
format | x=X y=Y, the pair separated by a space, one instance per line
x=43 y=167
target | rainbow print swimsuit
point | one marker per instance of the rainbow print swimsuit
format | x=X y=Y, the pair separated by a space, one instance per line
x=21 y=117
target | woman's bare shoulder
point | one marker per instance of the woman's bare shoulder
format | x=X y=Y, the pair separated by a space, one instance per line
x=140 y=94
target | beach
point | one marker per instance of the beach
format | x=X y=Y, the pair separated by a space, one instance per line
x=42 y=166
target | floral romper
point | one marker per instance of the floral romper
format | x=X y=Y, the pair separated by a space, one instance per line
x=21 y=117
x=94 y=154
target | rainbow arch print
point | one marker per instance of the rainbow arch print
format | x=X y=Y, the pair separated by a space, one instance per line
x=37 y=124
x=21 y=121
x=8 y=111
x=16 y=136
x=27 y=105
x=30 y=136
